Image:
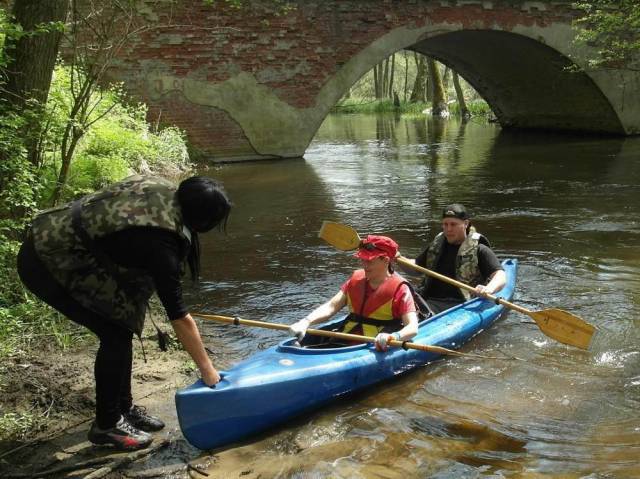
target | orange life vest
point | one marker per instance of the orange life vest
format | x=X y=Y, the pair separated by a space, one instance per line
x=373 y=310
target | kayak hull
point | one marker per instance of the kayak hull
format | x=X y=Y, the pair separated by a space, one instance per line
x=283 y=381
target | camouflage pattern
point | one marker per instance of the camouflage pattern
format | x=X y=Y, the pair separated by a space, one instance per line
x=117 y=293
x=467 y=269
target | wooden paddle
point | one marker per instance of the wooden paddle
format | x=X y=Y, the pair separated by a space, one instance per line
x=555 y=323
x=345 y=336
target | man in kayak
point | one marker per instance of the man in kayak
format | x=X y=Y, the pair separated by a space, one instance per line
x=380 y=301
x=98 y=259
x=459 y=252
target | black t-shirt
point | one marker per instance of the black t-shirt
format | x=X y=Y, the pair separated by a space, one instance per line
x=487 y=262
x=158 y=252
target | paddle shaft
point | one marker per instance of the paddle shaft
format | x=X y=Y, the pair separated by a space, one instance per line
x=410 y=264
x=345 y=336
x=555 y=323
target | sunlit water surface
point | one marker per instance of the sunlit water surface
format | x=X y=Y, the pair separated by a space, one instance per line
x=566 y=207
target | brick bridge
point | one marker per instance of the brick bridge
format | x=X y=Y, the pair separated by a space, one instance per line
x=257 y=82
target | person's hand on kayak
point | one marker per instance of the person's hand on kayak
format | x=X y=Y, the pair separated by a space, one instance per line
x=382 y=340
x=299 y=329
x=210 y=376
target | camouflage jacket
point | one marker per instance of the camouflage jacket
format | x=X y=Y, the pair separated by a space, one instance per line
x=64 y=240
x=467 y=268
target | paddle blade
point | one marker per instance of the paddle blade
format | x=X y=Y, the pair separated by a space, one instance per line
x=339 y=236
x=564 y=327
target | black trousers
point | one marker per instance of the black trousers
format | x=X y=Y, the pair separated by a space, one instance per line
x=112 y=369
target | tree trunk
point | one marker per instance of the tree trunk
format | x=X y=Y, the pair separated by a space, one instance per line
x=462 y=105
x=439 y=103
x=418 y=85
x=385 y=78
x=32 y=57
x=392 y=74
x=445 y=78
x=406 y=73
x=376 y=88
x=31 y=62
x=428 y=85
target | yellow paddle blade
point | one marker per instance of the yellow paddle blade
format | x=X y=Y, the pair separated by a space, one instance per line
x=564 y=327
x=339 y=236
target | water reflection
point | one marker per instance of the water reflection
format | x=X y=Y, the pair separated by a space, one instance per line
x=566 y=207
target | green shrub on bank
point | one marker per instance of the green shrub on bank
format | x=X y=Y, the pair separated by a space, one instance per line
x=476 y=108
x=119 y=144
x=360 y=105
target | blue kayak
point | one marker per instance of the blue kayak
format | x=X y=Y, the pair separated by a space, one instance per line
x=285 y=380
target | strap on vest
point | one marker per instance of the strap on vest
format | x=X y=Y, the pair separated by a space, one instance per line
x=357 y=318
x=423 y=308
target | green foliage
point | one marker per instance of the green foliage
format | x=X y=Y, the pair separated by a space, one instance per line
x=16 y=426
x=12 y=32
x=613 y=28
x=361 y=97
x=117 y=143
x=18 y=185
x=475 y=107
x=359 y=105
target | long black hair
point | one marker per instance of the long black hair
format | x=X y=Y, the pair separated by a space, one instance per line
x=204 y=205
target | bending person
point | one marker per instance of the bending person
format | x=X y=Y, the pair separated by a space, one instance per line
x=461 y=253
x=380 y=301
x=99 y=259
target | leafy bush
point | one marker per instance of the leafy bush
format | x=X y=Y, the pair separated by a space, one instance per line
x=360 y=105
x=476 y=108
x=611 y=26
x=118 y=144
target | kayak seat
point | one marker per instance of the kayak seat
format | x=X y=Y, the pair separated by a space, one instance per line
x=321 y=342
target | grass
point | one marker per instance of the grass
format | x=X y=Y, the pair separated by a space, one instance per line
x=368 y=106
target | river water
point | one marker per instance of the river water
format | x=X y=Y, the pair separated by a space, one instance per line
x=567 y=207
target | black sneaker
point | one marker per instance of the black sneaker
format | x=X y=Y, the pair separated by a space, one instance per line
x=122 y=436
x=138 y=417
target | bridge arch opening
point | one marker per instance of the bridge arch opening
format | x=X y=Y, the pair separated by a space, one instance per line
x=527 y=83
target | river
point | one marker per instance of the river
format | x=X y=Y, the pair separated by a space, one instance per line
x=567 y=207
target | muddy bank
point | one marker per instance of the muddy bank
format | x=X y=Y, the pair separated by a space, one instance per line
x=55 y=388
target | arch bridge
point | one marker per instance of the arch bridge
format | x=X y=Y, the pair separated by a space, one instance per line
x=257 y=81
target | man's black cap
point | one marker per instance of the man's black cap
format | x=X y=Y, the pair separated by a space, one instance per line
x=455 y=210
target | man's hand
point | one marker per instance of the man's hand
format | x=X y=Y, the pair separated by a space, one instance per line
x=482 y=290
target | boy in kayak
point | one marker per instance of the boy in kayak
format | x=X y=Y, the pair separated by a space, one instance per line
x=461 y=253
x=380 y=301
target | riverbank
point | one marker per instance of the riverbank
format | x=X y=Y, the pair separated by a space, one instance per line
x=55 y=387
x=477 y=108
